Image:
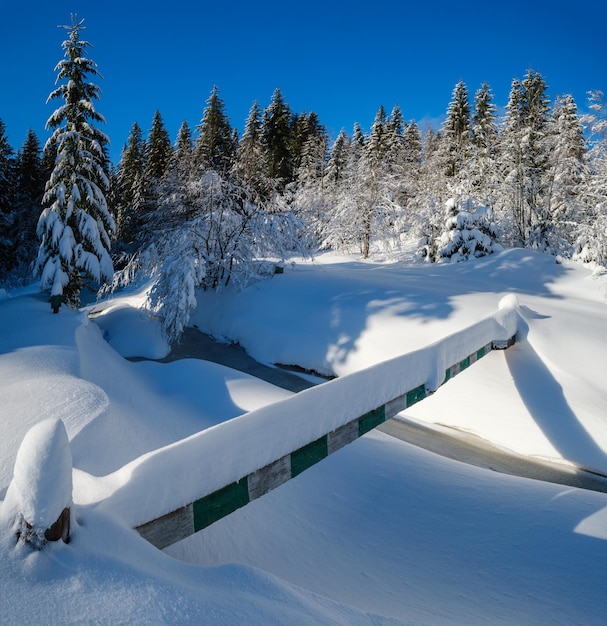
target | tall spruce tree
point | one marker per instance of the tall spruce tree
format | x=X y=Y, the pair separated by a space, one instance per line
x=6 y=174
x=276 y=140
x=312 y=157
x=338 y=158
x=131 y=186
x=565 y=176
x=183 y=152
x=250 y=163
x=7 y=217
x=525 y=146
x=75 y=228
x=216 y=146
x=484 y=146
x=158 y=149
x=30 y=179
x=591 y=245
x=456 y=133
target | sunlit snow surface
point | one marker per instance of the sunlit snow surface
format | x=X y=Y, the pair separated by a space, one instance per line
x=380 y=532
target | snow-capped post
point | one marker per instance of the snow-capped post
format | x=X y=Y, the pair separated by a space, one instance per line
x=507 y=317
x=40 y=494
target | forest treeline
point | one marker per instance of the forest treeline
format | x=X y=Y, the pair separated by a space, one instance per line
x=209 y=207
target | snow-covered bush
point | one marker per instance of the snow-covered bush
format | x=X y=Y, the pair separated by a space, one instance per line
x=469 y=232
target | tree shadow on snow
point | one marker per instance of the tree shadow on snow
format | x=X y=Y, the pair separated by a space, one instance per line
x=544 y=398
x=424 y=292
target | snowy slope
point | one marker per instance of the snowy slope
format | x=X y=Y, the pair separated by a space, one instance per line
x=380 y=532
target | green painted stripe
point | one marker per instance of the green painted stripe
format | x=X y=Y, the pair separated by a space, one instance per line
x=447 y=375
x=464 y=364
x=220 y=503
x=415 y=395
x=370 y=420
x=308 y=455
x=481 y=353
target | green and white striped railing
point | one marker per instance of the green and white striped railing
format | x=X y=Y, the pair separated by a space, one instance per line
x=196 y=515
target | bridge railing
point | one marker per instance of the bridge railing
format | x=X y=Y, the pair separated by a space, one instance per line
x=173 y=492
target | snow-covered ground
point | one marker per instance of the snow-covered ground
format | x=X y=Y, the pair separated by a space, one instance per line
x=380 y=532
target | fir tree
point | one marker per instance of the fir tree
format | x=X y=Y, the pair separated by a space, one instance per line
x=396 y=139
x=6 y=174
x=524 y=159
x=412 y=140
x=183 y=153
x=412 y=159
x=337 y=162
x=131 y=181
x=312 y=155
x=250 y=163
x=456 y=131
x=565 y=176
x=30 y=180
x=484 y=146
x=215 y=146
x=591 y=245
x=183 y=143
x=75 y=229
x=276 y=140
x=7 y=217
x=158 y=150
x=469 y=231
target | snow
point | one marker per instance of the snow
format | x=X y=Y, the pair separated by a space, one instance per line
x=380 y=532
x=42 y=482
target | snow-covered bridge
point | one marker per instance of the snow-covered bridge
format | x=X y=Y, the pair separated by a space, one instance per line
x=265 y=448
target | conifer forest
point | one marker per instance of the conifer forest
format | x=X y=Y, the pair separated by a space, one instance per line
x=213 y=206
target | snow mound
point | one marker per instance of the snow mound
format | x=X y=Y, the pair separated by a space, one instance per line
x=42 y=480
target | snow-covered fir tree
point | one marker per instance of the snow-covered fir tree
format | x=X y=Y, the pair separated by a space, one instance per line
x=310 y=150
x=591 y=245
x=565 y=176
x=338 y=157
x=469 y=231
x=485 y=143
x=75 y=227
x=455 y=143
x=524 y=162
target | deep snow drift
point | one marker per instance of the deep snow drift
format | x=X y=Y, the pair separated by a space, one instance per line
x=380 y=532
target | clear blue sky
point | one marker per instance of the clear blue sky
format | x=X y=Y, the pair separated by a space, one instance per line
x=339 y=59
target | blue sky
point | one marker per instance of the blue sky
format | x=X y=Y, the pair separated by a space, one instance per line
x=340 y=59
